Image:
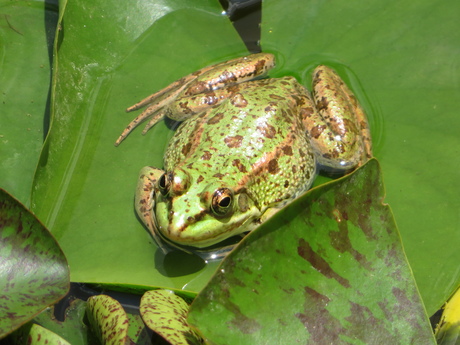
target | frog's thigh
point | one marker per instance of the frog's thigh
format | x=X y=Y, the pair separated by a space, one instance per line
x=336 y=123
x=186 y=107
x=230 y=72
x=145 y=199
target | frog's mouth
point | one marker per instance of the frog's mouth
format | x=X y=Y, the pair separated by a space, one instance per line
x=206 y=245
x=214 y=252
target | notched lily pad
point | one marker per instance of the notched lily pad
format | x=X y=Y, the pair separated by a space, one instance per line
x=330 y=268
x=72 y=327
x=33 y=272
x=166 y=314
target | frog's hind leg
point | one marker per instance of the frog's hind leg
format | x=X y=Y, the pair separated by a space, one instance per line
x=336 y=124
x=203 y=81
x=155 y=103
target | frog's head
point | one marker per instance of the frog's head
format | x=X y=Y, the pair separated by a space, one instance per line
x=191 y=212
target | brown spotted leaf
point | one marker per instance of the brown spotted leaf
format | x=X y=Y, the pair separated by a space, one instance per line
x=33 y=270
x=166 y=314
x=108 y=320
x=329 y=269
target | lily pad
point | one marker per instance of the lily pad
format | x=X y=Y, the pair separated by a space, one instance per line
x=34 y=272
x=84 y=185
x=339 y=277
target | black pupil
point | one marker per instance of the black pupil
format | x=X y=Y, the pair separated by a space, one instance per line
x=162 y=182
x=225 y=202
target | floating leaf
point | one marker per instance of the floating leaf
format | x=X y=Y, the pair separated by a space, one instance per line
x=165 y=313
x=338 y=277
x=33 y=270
x=108 y=319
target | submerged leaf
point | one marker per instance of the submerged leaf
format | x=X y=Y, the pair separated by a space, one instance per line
x=166 y=314
x=329 y=270
x=33 y=270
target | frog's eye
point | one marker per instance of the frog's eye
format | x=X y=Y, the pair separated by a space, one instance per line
x=222 y=202
x=164 y=183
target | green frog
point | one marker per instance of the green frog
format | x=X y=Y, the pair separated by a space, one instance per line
x=246 y=147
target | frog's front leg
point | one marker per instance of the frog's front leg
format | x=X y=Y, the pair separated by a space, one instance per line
x=145 y=201
x=202 y=82
x=337 y=125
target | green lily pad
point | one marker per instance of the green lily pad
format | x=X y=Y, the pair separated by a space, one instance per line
x=166 y=314
x=34 y=272
x=339 y=277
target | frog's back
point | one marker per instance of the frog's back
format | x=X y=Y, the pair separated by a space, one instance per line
x=254 y=141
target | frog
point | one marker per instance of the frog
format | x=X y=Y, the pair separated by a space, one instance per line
x=247 y=146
